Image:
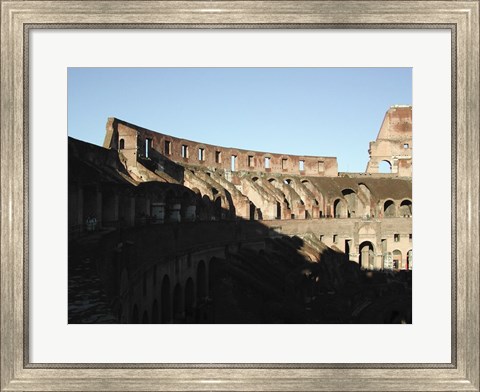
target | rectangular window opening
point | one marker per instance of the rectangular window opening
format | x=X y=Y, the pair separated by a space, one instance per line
x=321 y=166
x=284 y=163
x=335 y=238
x=396 y=237
x=405 y=145
x=250 y=161
x=218 y=157
x=168 y=147
x=301 y=165
x=201 y=154
x=148 y=145
x=184 y=151
x=267 y=163
x=233 y=163
x=410 y=237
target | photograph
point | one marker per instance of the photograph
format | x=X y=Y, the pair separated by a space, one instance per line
x=219 y=195
x=240 y=195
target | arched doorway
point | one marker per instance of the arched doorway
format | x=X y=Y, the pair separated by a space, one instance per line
x=165 y=300
x=253 y=208
x=339 y=209
x=217 y=205
x=367 y=255
x=406 y=208
x=351 y=198
x=365 y=199
x=389 y=209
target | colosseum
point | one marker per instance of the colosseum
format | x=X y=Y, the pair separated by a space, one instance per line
x=168 y=230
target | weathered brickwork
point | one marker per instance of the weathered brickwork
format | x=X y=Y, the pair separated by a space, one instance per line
x=135 y=141
x=394 y=142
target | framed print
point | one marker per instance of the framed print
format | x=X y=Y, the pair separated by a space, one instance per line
x=156 y=170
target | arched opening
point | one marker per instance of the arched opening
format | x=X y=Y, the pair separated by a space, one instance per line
x=177 y=303
x=367 y=255
x=253 y=208
x=406 y=208
x=364 y=195
x=217 y=207
x=145 y=318
x=155 y=318
x=201 y=281
x=121 y=144
x=135 y=319
x=339 y=209
x=279 y=211
x=206 y=211
x=189 y=300
x=397 y=259
x=165 y=300
x=351 y=198
x=409 y=260
x=384 y=167
x=389 y=209
x=254 y=179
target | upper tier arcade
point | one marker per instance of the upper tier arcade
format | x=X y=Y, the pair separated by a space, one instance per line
x=139 y=143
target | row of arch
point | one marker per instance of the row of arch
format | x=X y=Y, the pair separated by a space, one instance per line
x=350 y=204
x=367 y=257
x=348 y=207
x=182 y=304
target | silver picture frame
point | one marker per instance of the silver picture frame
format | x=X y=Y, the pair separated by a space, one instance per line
x=461 y=18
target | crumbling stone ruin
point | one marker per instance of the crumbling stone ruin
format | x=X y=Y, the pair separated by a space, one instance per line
x=163 y=229
x=394 y=142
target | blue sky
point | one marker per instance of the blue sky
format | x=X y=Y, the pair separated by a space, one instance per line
x=303 y=111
